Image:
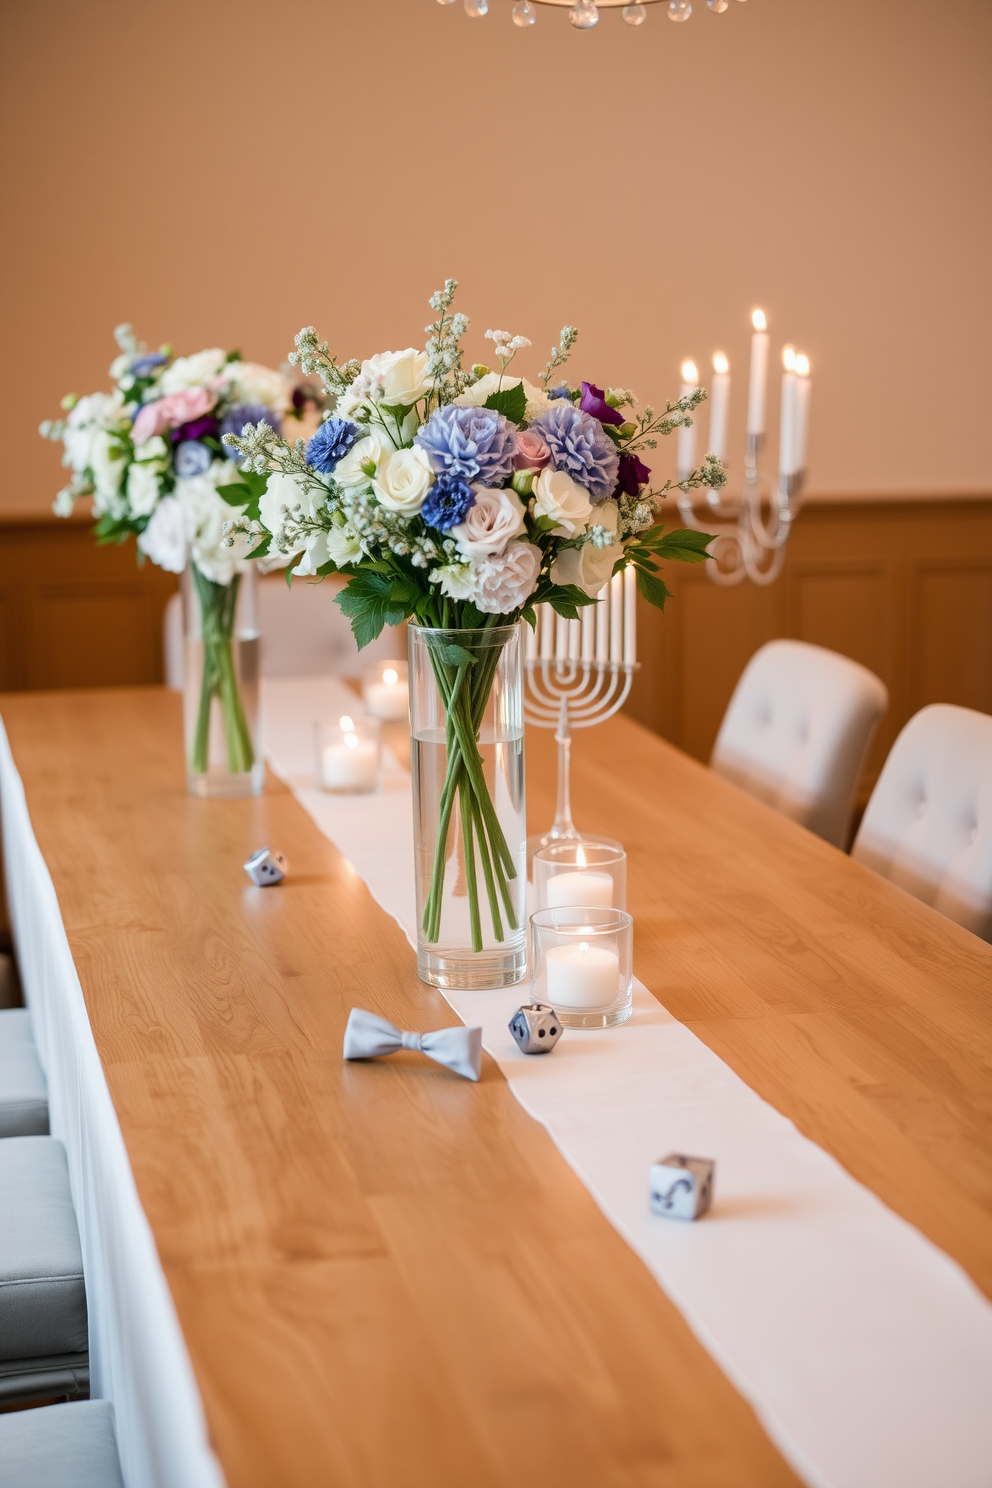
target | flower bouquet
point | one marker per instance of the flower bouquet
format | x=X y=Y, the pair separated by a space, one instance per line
x=150 y=454
x=459 y=499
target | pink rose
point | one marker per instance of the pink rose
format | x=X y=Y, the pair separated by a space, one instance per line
x=170 y=412
x=532 y=452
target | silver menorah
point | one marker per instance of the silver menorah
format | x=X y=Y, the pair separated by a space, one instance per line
x=579 y=672
x=748 y=545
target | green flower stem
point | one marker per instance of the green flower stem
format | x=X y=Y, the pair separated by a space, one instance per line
x=218 y=605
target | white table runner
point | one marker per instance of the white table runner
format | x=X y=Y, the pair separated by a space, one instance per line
x=864 y=1349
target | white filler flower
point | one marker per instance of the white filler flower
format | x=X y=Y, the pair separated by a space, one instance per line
x=193 y=371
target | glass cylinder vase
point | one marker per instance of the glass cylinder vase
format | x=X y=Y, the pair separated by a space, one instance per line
x=470 y=840
x=220 y=686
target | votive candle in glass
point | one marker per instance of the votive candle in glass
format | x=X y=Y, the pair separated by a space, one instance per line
x=582 y=964
x=349 y=752
x=569 y=873
x=386 y=690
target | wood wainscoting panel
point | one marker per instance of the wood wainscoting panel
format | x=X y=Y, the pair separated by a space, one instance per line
x=951 y=626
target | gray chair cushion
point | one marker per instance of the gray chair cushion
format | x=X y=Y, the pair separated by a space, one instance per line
x=42 y=1296
x=23 y=1092
x=60 y=1446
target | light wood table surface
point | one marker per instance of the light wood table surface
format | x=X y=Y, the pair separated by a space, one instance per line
x=388 y=1276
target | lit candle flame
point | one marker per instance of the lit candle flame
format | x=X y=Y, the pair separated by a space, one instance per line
x=802 y=364
x=720 y=363
x=583 y=945
x=580 y=857
x=347 y=723
x=758 y=320
x=351 y=741
x=789 y=358
x=689 y=373
x=391 y=676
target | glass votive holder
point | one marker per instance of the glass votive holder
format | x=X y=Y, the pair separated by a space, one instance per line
x=570 y=873
x=386 y=690
x=349 y=753
x=582 y=964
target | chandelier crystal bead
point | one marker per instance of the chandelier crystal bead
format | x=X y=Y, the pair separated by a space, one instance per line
x=584 y=15
x=524 y=14
x=679 y=10
x=635 y=15
x=476 y=8
x=718 y=6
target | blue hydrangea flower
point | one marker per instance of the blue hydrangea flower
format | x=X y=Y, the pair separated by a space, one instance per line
x=331 y=442
x=475 y=443
x=561 y=391
x=192 y=458
x=146 y=365
x=246 y=413
x=579 y=446
x=448 y=502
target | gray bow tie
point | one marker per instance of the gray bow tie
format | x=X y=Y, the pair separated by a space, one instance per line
x=460 y=1049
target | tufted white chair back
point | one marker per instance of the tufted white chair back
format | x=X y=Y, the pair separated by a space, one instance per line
x=797 y=730
x=928 y=825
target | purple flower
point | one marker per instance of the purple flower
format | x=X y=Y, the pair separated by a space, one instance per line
x=331 y=442
x=593 y=401
x=146 y=365
x=196 y=429
x=246 y=413
x=192 y=458
x=448 y=502
x=475 y=443
x=633 y=475
x=579 y=446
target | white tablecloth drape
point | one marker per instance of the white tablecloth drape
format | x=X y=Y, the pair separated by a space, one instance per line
x=138 y=1358
x=864 y=1349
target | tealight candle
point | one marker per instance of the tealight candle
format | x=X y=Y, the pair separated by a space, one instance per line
x=582 y=887
x=348 y=754
x=582 y=976
x=572 y=873
x=386 y=691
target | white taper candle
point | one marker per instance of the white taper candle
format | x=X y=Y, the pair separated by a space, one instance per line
x=686 y=455
x=629 y=615
x=719 y=406
x=759 y=375
x=802 y=393
x=787 y=415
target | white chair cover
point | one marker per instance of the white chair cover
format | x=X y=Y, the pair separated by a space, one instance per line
x=928 y=825
x=797 y=730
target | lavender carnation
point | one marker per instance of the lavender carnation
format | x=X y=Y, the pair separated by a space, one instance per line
x=579 y=446
x=331 y=442
x=448 y=502
x=246 y=413
x=475 y=443
x=505 y=582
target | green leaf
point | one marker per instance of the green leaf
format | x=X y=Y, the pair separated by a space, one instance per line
x=530 y=615
x=452 y=655
x=684 y=545
x=289 y=576
x=567 y=600
x=652 y=588
x=237 y=494
x=367 y=599
x=263 y=547
x=510 y=402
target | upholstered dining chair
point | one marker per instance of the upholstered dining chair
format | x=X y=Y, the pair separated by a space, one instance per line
x=23 y=1091
x=928 y=825
x=59 y=1445
x=304 y=633
x=797 y=730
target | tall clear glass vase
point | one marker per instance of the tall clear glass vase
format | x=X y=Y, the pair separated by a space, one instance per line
x=470 y=839
x=220 y=686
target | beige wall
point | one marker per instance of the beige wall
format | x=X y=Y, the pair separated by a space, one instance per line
x=222 y=171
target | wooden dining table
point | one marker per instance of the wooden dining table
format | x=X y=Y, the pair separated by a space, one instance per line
x=386 y=1275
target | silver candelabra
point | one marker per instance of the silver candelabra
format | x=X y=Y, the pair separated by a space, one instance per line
x=748 y=544
x=579 y=672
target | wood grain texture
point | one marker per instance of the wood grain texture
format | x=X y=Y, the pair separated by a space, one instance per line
x=385 y=1274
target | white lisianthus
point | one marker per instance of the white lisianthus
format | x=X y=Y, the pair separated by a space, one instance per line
x=281 y=496
x=343 y=546
x=315 y=555
x=507 y=581
x=206 y=513
x=120 y=365
x=394 y=377
x=253 y=383
x=489 y=523
x=107 y=465
x=564 y=501
x=143 y=486
x=64 y=502
x=457 y=580
x=402 y=480
x=475 y=396
x=84 y=421
x=154 y=448
x=192 y=371
x=166 y=538
x=350 y=471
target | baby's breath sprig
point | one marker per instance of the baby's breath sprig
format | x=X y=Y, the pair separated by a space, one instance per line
x=443 y=346
x=315 y=359
x=677 y=413
x=560 y=353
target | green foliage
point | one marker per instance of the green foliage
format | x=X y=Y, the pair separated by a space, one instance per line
x=510 y=402
x=246 y=492
x=652 y=588
x=566 y=600
x=114 y=529
x=372 y=601
x=684 y=545
x=453 y=655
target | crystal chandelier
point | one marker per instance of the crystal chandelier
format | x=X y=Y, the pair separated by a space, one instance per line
x=584 y=14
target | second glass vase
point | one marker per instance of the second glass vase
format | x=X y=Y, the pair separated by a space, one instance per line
x=220 y=686
x=470 y=841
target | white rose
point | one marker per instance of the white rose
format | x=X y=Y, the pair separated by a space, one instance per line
x=166 y=538
x=506 y=582
x=403 y=479
x=253 y=383
x=107 y=465
x=142 y=489
x=349 y=472
x=558 y=496
x=589 y=567
x=192 y=371
x=394 y=377
x=489 y=524
x=457 y=580
x=475 y=396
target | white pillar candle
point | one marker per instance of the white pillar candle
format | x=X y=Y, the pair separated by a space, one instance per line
x=759 y=375
x=687 y=435
x=387 y=696
x=580 y=887
x=787 y=416
x=719 y=406
x=801 y=425
x=629 y=615
x=582 y=976
x=350 y=765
